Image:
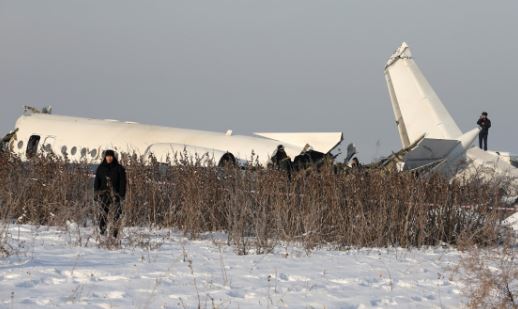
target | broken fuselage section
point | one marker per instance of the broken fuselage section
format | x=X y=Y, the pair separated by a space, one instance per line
x=84 y=140
x=430 y=136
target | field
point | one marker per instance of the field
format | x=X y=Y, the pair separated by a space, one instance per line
x=232 y=238
x=168 y=270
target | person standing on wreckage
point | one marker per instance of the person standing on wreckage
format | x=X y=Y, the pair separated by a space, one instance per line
x=110 y=191
x=484 y=124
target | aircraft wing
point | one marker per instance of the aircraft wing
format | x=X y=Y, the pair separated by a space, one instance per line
x=321 y=142
x=164 y=152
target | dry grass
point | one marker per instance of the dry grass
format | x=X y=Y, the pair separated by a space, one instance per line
x=260 y=207
x=490 y=276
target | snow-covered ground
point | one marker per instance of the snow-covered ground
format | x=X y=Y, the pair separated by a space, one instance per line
x=512 y=222
x=161 y=269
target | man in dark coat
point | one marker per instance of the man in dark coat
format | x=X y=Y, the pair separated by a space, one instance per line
x=110 y=190
x=484 y=124
x=355 y=163
x=282 y=161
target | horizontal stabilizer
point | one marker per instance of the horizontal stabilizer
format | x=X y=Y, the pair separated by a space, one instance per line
x=429 y=150
x=322 y=142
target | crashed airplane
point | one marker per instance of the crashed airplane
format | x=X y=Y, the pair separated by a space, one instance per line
x=84 y=140
x=430 y=137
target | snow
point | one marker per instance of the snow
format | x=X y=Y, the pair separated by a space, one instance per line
x=162 y=269
x=512 y=221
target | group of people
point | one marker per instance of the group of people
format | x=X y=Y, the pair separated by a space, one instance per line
x=110 y=179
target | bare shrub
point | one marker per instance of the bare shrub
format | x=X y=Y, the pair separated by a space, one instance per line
x=260 y=207
x=5 y=208
x=491 y=276
x=46 y=191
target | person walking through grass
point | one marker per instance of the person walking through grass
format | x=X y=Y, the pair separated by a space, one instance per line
x=110 y=191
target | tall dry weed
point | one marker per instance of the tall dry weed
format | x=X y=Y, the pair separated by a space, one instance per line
x=260 y=207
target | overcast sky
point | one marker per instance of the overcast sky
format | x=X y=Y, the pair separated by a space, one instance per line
x=259 y=65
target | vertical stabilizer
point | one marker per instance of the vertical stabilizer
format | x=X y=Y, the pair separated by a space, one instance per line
x=417 y=108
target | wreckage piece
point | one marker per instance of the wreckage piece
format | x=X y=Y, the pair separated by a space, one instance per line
x=396 y=159
x=6 y=141
x=420 y=114
x=320 y=142
x=84 y=140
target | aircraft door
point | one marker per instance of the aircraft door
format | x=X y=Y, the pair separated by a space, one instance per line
x=32 y=146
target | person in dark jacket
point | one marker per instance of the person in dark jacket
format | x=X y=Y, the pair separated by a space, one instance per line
x=282 y=161
x=355 y=163
x=110 y=190
x=484 y=124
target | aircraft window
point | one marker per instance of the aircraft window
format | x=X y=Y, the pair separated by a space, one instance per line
x=73 y=151
x=32 y=146
x=20 y=144
x=83 y=152
x=64 y=150
x=93 y=153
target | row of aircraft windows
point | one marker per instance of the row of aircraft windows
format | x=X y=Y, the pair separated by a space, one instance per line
x=73 y=151
x=48 y=147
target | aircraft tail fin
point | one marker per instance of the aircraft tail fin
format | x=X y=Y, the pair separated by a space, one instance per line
x=417 y=108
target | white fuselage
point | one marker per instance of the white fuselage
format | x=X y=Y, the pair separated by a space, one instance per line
x=84 y=139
